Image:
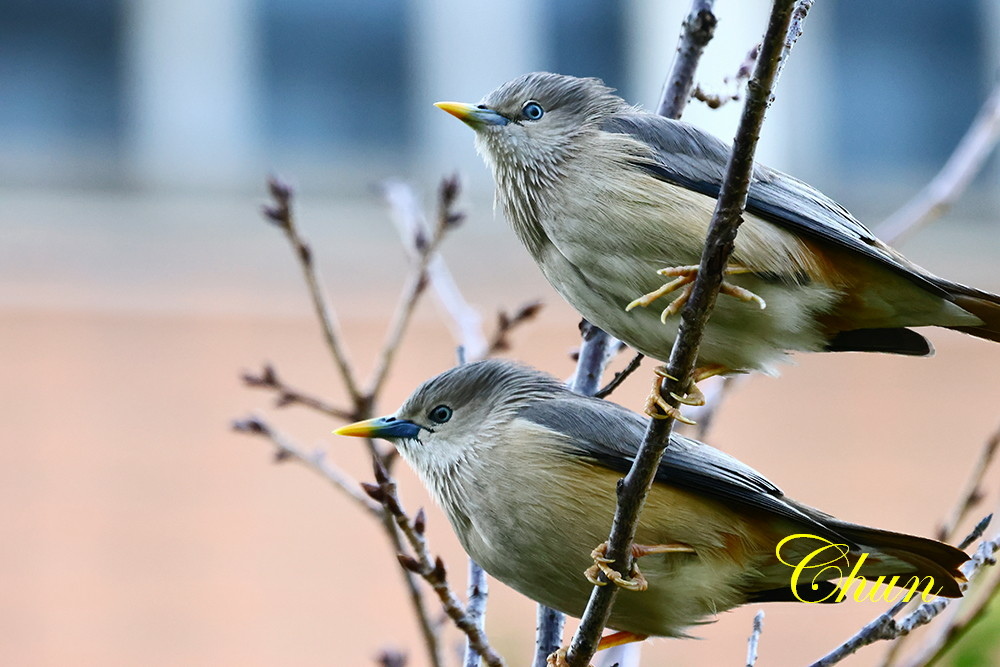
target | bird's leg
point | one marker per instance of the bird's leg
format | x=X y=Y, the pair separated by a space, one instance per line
x=637 y=582
x=684 y=277
x=558 y=659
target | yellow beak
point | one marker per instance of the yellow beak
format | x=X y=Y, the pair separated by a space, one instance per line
x=474 y=116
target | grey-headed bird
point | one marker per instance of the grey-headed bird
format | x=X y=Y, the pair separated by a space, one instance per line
x=608 y=198
x=526 y=471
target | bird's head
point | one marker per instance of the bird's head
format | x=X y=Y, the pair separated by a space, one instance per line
x=458 y=417
x=534 y=122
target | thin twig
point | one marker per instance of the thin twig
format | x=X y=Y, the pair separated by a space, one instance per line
x=696 y=33
x=316 y=461
x=268 y=379
x=620 y=376
x=718 y=247
x=507 y=323
x=958 y=628
x=953 y=179
x=886 y=627
x=280 y=213
x=716 y=100
x=411 y=223
x=754 y=640
x=285 y=450
x=447 y=219
x=432 y=571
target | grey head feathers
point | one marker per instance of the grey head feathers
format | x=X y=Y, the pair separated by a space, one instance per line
x=584 y=100
x=491 y=385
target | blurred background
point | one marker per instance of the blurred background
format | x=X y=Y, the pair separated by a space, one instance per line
x=137 y=280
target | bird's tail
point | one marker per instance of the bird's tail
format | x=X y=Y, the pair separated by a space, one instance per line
x=982 y=304
x=920 y=564
x=926 y=557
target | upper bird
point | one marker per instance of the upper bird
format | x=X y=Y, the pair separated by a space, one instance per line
x=605 y=196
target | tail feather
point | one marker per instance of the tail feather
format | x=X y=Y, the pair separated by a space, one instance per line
x=928 y=557
x=982 y=304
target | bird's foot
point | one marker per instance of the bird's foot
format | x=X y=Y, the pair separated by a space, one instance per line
x=557 y=658
x=658 y=408
x=684 y=277
x=637 y=582
x=693 y=395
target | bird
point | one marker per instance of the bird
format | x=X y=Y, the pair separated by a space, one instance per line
x=526 y=471
x=608 y=199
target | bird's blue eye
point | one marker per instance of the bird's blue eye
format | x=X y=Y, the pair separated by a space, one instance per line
x=532 y=111
x=440 y=414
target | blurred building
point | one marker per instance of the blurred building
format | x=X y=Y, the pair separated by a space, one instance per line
x=210 y=95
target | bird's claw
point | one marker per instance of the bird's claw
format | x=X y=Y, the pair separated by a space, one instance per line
x=684 y=277
x=600 y=555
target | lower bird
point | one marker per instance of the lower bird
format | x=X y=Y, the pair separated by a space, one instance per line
x=609 y=199
x=526 y=471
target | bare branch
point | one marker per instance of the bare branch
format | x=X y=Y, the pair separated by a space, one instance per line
x=933 y=651
x=507 y=323
x=432 y=571
x=754 y=640
x=478 y=593
x=696 y=33
x=549 y=625
x=426 y=248
x=620 y=376
x=280 y=214
x=268 y=379
x=411 y=223
x=953 y=179
x=316 y=461
x=718 y=247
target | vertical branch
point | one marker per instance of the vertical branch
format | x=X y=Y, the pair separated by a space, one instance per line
x=549 y=625
x=718 y=247
x=475 y=610
x=698 y=29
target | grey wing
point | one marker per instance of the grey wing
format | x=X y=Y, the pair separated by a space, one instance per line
x=610 y=435
x=691 y=158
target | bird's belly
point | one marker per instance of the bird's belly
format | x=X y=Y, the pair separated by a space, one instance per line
x=541 y=550
x=739 y=336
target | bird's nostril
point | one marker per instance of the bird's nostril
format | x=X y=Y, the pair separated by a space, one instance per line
x=480 y=106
